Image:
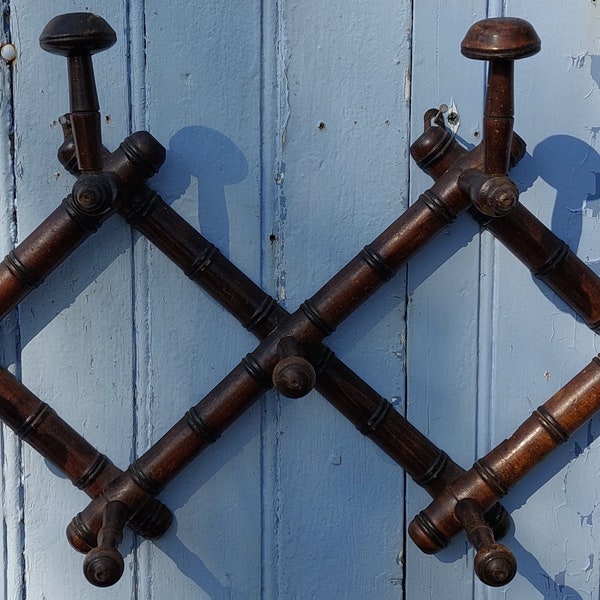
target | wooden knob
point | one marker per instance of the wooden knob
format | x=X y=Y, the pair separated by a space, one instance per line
x=492 y=195
x=501 y=37
x=77 y=33
x=103 y=565
x=495 y=564
x=293 y=375
x=77 y=36
x=500 y=41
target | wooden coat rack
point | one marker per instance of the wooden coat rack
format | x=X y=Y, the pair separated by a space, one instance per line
x=291 y=355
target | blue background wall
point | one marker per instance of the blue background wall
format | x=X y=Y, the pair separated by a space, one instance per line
x=287 y=126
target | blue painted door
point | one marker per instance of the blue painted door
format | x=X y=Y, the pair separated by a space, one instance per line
x=287 y=126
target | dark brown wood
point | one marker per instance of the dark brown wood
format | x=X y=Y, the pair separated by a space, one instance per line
x=259 y=313
x=495 y=564
x=477 y=176
x=293 y=375
x=103 y=565
x=492 y=195
x=93 y=200
x=25 y=267
x=77 y=36
x=80 y=214
x=496 y=473
x=317 y=318
x=36 y=423
x=550 y=260
x=500 y=41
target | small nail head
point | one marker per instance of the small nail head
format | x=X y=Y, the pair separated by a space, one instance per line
x=8 y=52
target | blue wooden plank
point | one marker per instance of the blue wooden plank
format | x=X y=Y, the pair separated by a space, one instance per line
x=202 y=100
x=444 y=291
x=341 y=179
x=76 y=329
x=11 y=491
x=554 y=508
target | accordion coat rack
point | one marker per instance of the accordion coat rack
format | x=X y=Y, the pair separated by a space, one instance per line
x=291 y=354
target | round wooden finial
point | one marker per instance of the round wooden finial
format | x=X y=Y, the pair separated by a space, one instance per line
x=77 y=33
x=501 y=37
x=294 y=377
x=103 y=567
x=495 y=565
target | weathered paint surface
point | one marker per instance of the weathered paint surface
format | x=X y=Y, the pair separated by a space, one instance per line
x=287 y=127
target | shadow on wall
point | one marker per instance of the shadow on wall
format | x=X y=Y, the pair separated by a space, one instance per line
x=572 y=168
x=194 y=152
x=216 y=162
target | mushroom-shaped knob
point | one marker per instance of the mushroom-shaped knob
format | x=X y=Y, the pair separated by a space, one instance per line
x=500 y=37
x=77 y=36
x=500 y=41
x=77 y=33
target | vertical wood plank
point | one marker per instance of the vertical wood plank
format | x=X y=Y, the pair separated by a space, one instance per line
x=76 y=329
x=538 y=343
x=11 y=506
x=341 y=178
x=202 y=101
x=444 y=290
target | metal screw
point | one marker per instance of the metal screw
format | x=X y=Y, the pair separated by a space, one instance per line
x=8 y=52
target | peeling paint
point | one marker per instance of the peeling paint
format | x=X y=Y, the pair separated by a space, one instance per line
x=282 y=81
x=407 y=84
x=596 y=194
x=590 y=432
x=578 y=60
x=595 y=68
